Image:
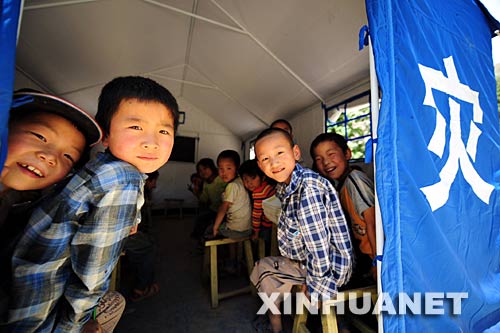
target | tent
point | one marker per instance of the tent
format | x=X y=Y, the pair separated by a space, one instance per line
x=235 y=66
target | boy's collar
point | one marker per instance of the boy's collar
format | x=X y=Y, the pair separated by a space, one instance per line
x=294 y=180
x=340 y=182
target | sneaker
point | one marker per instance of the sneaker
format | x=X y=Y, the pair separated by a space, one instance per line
x=261 y=324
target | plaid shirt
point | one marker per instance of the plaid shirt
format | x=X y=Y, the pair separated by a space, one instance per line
x=312 y=229
x=62 y=264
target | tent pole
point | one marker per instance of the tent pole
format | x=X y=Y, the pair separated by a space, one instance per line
x=374 y=101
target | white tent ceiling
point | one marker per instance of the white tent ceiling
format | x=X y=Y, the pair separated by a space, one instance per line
x=243 y=62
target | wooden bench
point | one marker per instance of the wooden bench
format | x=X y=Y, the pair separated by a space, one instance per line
x=329 y=321
x=211 y=255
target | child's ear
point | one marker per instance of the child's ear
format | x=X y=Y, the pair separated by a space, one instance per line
x=105 y=141
x=348 y=154
x=296 y=152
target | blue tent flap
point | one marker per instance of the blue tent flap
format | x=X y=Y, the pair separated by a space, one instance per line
x=438 y=159
x=8 y=32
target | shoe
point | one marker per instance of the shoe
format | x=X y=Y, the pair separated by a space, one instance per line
x=261 y=324
x=139 y=295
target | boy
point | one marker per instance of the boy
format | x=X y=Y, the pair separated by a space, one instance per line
x=255 y=182
x=233 y=218
x=313 y=235
x=331 y=156
x=284 y=125
x=37 y=156
x=62 y=264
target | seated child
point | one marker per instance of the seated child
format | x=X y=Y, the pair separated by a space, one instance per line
x=62 y=264
x=196 y=183
x=37 y=123
x=331 y=155
x=233 y=218
x=313 y=235
x=140 y=248
x=209 y=196
x=255 y=182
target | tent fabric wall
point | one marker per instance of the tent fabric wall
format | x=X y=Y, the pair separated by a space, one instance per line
x=438 y=160
x=9 y=17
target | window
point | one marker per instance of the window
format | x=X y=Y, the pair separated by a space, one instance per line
x=184 y=149
x=352 y=119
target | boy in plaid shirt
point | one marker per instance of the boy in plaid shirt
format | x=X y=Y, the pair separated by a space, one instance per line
x=62 y=265
x=313 y=235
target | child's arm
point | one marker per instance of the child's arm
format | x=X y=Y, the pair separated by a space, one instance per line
x=257 y=213
x=95 y=250
x=322 y=273
x=223 y=208
x=369 y=217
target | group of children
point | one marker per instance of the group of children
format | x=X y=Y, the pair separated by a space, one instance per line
x=65 y=217
x=319 y=214
x=57 y=263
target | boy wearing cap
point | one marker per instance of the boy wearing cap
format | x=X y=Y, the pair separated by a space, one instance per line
x=63 y=262
x=48 y=137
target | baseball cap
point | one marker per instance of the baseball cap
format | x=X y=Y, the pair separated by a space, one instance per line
x=24 y=101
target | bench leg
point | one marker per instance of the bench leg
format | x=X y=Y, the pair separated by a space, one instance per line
x=329 y=321
x=299 y=322
x=214 y=286
x=249 y=256
x=261 y=248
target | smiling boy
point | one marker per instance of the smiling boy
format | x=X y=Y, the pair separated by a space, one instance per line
x=37 y=156
x=62 y=264
x=313 y=235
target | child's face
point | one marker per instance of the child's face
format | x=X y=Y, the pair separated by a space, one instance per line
x=283 y=126
x=205 y=172
x=227 y=169
x=142 y=134
x=330 y=160
x=42 y=149
x=251 y=182
x=276 y=158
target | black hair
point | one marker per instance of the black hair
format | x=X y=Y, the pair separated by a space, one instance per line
x=132 y=87
x=277 y=121
x=270 y=131
x=230 y=154
x=207 y=163
x=251 y=169
x=333 y=137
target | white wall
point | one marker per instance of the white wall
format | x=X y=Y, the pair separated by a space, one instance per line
x=213 y=138
x=23 y=81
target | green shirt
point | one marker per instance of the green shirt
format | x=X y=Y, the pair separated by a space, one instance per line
x=211 y=196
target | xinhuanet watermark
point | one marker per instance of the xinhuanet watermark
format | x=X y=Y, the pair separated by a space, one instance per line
x=431 y=303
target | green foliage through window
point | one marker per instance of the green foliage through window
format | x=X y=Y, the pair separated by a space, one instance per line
x=352 y=119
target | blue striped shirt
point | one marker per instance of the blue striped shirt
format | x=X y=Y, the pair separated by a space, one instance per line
x=62 y=264
x=312 y=229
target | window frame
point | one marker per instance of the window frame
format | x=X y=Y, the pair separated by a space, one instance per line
x=344 y=104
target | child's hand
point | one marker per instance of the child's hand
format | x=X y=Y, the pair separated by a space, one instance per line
x=92 y=326
x=303 y=289
x=133 y=230
x=216 y=231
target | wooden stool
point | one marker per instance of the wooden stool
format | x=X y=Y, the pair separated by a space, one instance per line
x=114 y=283
x=214 y=282
x=329 y=321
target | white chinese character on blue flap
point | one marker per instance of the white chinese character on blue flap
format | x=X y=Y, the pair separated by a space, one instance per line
x=461 y=155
